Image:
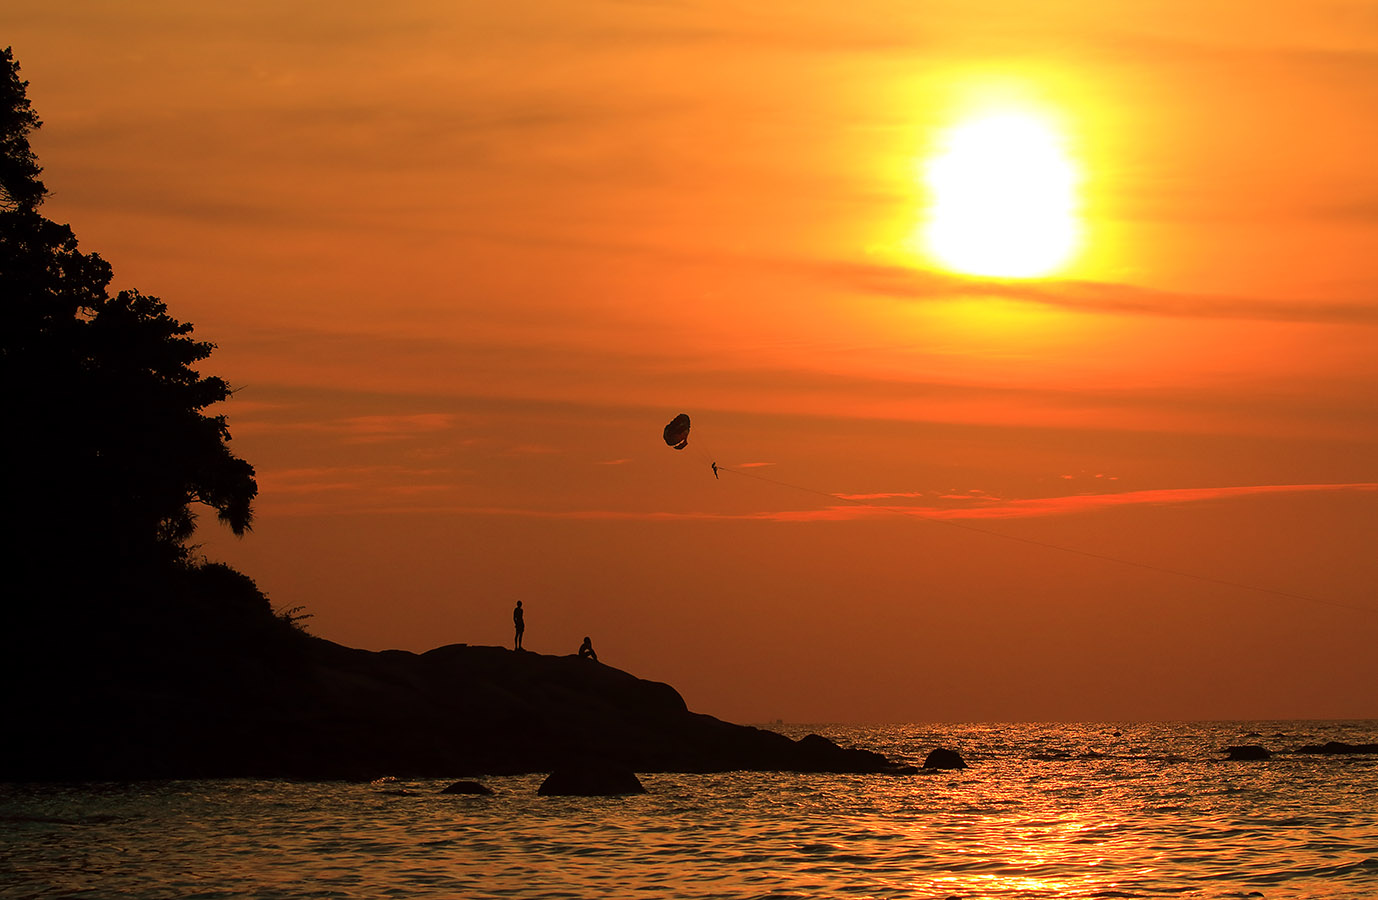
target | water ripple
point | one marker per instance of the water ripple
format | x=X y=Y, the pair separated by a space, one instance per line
x=1059 y=811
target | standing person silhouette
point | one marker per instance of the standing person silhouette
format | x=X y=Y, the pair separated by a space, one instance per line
x=520 y=625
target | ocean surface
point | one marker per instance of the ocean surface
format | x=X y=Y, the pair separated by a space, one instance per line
x=1110 y=810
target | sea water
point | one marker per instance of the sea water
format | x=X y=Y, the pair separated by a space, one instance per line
x=1068 y=811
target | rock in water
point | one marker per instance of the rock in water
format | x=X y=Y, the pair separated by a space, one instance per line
x=591 y=778
x=1248 y=751
x=942 y=758
x=815 y=753
x=467 y=787
x=1333 y=748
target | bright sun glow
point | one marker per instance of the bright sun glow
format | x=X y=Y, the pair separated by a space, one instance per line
x=1002 y=198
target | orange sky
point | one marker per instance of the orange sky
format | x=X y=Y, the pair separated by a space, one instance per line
x=464 y=261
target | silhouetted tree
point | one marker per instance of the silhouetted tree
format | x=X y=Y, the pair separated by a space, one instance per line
x=19 y=184
x=107 y=444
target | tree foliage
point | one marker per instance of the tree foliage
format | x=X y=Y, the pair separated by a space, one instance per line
x=108 y=443
x=19 y=184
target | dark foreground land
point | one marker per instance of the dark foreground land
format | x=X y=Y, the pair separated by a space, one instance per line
x=302 y=707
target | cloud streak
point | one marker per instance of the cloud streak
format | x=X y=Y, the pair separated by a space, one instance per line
x=362 y=429
x=1091 y=296
x=997 y=508
x=975 y=506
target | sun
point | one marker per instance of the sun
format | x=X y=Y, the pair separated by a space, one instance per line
x=1002 y=198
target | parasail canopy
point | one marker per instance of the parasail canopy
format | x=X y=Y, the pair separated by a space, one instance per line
x=677 y=432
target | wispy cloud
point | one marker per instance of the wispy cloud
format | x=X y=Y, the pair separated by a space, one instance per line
x=983 y=507
x=988 y=507
x=891 y=495
x=360 y=429
x=368 y=429
x=333 y=479
x=532 y=450
x=919 y=284
x=1091 y=296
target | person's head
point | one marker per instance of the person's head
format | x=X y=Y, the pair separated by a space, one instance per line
x=587 y=641
x=519 y=603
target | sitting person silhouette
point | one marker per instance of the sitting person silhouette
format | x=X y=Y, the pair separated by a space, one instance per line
x=586 y=650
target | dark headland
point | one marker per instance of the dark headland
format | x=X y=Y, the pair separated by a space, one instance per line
x=297 y=706
x=124 y=655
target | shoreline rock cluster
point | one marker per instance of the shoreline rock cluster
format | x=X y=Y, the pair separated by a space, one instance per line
x=1257 y=752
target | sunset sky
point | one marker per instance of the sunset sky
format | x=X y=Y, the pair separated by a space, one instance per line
x=1039 y=341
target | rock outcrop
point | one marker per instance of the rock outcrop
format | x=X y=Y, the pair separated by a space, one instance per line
x=1336 y=748
x=590 y=777
x=1248 y=752
x=942 y=758
x=326 y=711
x=467 y=787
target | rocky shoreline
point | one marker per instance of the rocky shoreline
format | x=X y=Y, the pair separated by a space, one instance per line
x=327 y=711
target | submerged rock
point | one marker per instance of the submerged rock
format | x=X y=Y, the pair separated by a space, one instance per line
x=467 y=787
x=1333 y=748
x=942 y=758
x=591 y=778
x=1248 y=752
